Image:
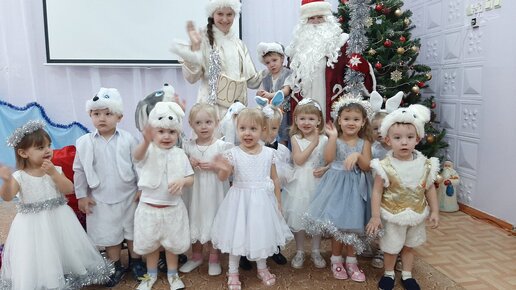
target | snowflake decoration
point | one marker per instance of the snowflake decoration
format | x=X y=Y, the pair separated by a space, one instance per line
x=378 y=21
x=369 y=22
x=355 y=61
x=396 y=76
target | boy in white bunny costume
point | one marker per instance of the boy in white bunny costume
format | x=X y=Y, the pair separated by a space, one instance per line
x=105 y=181
x=404 y=194
x=161 y=219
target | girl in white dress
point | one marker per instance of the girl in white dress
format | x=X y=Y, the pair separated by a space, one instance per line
x=249 y=220
x=204 y=197
x=308 y=141
x=47 y=247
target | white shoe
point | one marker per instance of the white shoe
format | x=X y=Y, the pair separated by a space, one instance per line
x=214 y=269
x=318 y=260
x=190 y=266
x=147 y=282
x=175 y=282
x=298 y=260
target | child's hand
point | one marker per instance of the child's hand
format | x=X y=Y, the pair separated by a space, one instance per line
x=195 y=36
x=207 y=166
x=261 y=93
x=194 y=162
x=85 y=204
x=148 y=133
x=351 y=161
x=331 y=130
x=434 y=219
x=373 y=226
x=221 y=163
x=319 y=171
x=175 y=187
x=5 y=173
x=49 y=168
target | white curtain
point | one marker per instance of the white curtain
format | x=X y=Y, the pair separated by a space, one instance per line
x=63 y=90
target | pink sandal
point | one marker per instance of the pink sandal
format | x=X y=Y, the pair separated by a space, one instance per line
x=355 y=273
x=234 y=281
x=267 y=278
x=338 y=271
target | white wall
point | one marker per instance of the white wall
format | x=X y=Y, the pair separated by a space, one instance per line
x=473 y=79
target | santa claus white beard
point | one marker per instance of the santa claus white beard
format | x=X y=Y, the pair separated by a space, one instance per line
x=311 y=44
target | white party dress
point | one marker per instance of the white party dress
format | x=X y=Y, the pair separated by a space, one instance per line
x=248 y=222
x=47 y=248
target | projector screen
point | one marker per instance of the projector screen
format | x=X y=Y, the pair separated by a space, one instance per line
x=119 y=32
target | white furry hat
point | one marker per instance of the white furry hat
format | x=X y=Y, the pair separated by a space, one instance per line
x=416 y=115
x=213 y=5
x=106 y=98
x=167 y=115
x=265 y=47
x=310 y=8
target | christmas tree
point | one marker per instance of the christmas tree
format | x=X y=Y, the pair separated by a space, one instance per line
x=393 y=53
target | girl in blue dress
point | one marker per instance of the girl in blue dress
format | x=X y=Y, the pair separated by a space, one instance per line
x=338 y=208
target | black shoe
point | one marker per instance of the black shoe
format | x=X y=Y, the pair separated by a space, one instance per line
x=162 y=262
x=182 y=258
x=138 y=268
x=117 y=276
x=245 y=264
x=279 y=258
x=386 y=283
x=410 y=284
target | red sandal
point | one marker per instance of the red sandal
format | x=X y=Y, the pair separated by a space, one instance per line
x=266 y=277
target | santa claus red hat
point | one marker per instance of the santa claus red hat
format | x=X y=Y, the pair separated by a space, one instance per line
x=213 y=5
x=310 y=8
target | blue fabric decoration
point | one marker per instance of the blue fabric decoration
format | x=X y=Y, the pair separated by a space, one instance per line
x=449 y=190
x=12 y=117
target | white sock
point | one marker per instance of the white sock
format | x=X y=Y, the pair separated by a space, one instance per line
x=300 y=240
x=261 y=264
x=389 y=274
x=316 y=243
x=233 y=264
x=406 y=275
x=351 y=260
x=336 y=259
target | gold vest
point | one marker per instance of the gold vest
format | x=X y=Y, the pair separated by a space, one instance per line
x=396 y=198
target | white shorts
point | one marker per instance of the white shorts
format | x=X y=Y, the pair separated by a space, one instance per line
x=396 y=237
x=166 y=226
x=109 y=224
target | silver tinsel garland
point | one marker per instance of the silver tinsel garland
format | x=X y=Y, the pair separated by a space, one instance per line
x=19 y=133
x=213 y=75
x=357 y=43
x=35 y=207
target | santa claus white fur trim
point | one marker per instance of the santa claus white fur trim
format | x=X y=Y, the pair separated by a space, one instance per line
x=168 y=115
x=315 y=8
x=213 y=5
x=416 y=115
x=106 y=98
x=265 y=47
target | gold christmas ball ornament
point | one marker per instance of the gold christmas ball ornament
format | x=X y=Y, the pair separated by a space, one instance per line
x=415 y=89
x=439 y=178
x=430 y=138
x=400 y=50
x=398 y=12
x=414 y=48
x=406 y=21
x=371 y=52
x=428 y=76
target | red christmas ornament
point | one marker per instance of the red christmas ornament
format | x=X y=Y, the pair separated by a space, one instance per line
x=343 y=1
x=434 y=105
x=420 y=84
x=387 y=43
x=386 y=10
x=447 y=182
x=341 y=19
x=378 y=7
x=403 y=39
x=378 y=66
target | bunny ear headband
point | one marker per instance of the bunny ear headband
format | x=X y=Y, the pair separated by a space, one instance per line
x=390 y=105
x=348 y=99
x=268 y=108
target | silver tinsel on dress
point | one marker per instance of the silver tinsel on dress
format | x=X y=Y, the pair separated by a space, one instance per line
x=357 y=43
x=213 y=75
x=35 y=207
x=19 y=133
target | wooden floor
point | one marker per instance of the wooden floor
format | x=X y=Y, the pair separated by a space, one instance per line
x=472 y=252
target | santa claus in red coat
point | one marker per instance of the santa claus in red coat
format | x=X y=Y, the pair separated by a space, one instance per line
x=318 y=58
